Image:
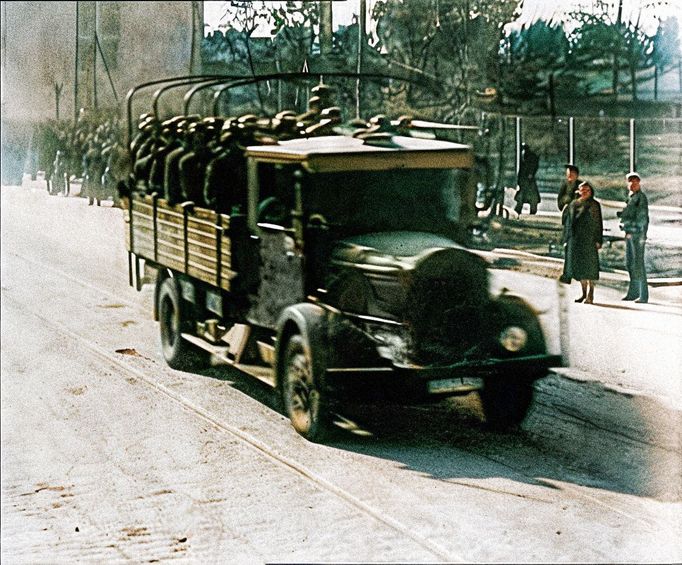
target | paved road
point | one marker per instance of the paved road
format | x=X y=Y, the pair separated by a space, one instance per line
x=108 y=455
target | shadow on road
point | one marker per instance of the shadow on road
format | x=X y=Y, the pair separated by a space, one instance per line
x=574 y=433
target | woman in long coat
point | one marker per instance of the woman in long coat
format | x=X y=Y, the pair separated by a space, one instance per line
x=583 y=240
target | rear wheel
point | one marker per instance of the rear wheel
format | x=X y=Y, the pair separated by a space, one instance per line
x=304 y=397
x=173 y=321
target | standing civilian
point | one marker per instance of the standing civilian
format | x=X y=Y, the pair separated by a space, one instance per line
x=527 y=185
x=583 y=237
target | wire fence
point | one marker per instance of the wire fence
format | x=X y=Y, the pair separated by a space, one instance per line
x=604 y=149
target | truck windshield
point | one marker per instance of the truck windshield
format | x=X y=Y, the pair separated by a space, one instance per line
x=394 y=200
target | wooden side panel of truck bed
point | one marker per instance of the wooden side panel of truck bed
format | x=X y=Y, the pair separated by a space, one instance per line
x=188 y=240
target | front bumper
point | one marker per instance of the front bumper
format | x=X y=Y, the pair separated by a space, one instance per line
x=441 y=380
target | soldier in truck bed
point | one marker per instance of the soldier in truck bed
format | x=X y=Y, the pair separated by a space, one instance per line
x=192 y=165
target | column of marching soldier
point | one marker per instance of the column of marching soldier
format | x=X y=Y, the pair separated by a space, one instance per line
x=91 y=149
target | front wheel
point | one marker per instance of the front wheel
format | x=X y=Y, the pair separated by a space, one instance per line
x=178 y=353
x=303 y=391
x=506 y=398
x=506 y=403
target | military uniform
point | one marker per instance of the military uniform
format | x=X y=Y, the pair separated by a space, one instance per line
x=528 y=187
x=635 y=223
x=566 y=196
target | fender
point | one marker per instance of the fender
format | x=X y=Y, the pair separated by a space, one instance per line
x=515 y=310
x=162 y=276
x=309 y=320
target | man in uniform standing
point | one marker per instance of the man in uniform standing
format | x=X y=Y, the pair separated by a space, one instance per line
x=568 y=190
x=635 y=223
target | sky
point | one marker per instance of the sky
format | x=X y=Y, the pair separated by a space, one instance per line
x=649 y=11
x=343 y=11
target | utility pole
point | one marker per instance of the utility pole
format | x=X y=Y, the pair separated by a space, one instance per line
x=633 y=145
x=75 y=76
x=94 y=60
x=4 y=45
x=197 y=16
x=362 y=24
x=326 y=28
x=85 y=82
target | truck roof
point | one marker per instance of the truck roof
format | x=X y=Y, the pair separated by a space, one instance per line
x=343 y=153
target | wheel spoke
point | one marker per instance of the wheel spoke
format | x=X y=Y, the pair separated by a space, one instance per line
x=301 y=368
x=299 y=397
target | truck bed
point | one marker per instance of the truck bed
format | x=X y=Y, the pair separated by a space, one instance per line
x=183 y=238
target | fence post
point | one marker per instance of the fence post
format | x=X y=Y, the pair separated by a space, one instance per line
x=519 y=127
x=571 y=141
x=633 y=146
x=498 y=203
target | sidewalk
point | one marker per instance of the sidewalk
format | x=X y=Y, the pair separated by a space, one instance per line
x=540 y=234
x=662 y=291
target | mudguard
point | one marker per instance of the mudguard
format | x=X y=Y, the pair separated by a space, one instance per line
x=310 y=321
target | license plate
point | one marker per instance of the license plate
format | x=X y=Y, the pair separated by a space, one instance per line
x=460 y=384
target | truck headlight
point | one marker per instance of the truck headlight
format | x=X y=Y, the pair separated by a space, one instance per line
x=513 y=338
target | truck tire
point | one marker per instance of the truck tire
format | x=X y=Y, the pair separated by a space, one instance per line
x=304 y=396
x=506 y=402
x=173 y=321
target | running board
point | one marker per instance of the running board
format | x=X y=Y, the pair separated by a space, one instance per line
x=221 y=352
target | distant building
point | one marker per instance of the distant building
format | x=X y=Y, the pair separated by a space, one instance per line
x=58 y=57
x=136 y=42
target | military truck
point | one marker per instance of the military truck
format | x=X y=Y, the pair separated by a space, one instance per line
x=345 y=275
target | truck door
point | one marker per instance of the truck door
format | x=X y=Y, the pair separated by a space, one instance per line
x=280 y=258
